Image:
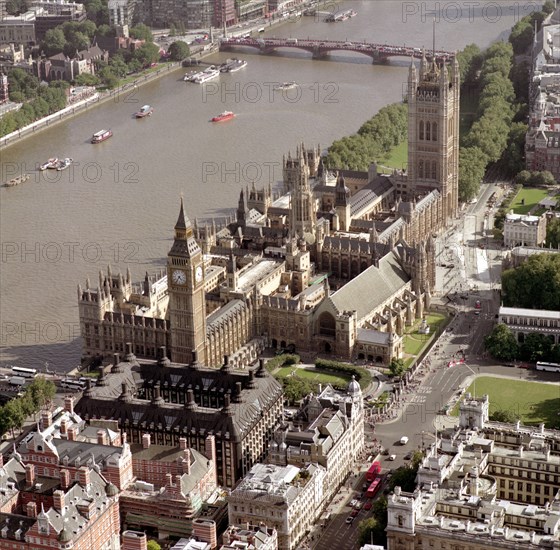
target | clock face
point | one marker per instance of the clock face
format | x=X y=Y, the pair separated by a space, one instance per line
x=198 y=274
x=179 y=277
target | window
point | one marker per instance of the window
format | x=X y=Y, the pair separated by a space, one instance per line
x=421 y=130
x=421 y=169
x=434 y=131
x=427 y=131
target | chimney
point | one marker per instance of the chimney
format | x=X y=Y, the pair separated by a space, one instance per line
x=521 y=451
x=64 y=479
x=101 y=437
x=183 y=443
x=146 y=441
x=72 y=433
x=123 y=438
x=83 y=476
x=31 y=510
x=186 y=462
x=178 y=482
x=58 y=500
x=134 y=540
x=1 y=460
x=63 y=426
x=29 y=474
x=69 y=404
x=46 y=419
x=168 y=480
x=210 y=452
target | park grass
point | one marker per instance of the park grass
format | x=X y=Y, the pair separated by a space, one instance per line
x=532 y=197
x=397 y=157
x=319 y=377
x=532 y=402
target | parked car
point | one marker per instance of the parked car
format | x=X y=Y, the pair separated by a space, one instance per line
x=354 y=513
x=349 y=519
x=368 y=505
x=392 y=457
x=353 y=503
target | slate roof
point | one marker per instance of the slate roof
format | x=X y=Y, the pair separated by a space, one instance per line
x=224 y=314
x=369 y=194
x=110 y=402
x=368 y=336
x=371 y=288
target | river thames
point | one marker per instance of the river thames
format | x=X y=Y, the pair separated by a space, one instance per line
x=119 y=201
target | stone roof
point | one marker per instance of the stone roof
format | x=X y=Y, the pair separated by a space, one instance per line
x=371 y=288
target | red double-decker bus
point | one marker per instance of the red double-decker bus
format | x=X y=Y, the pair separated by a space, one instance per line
x=373 y=488
x=373 y=471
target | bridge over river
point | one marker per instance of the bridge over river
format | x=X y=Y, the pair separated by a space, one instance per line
x=321 y=48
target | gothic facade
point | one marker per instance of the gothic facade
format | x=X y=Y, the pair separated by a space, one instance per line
x=339 y=263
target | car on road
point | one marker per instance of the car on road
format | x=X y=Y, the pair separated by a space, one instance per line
x=408 y=456
x=349 y=519
x=392 y=457
x=368 y=505
x=354 y=513
x=353 y=503
x=404 y=440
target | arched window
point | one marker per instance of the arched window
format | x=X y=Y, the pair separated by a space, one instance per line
x=421 y=169
x=421 y=130
x=434 y=131
x=427 y=131
x=434 y=170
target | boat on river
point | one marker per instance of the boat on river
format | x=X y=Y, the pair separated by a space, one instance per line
x=226 y=115
x=17 y=180
x=102 y=135
x=286 y=86
x=233 y=65
x=63 y=164
x=206 y=75
x=51 y=164
x=146 y=110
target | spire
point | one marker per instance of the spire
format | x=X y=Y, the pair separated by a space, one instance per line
x=181 y=220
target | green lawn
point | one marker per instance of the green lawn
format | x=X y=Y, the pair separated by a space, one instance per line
x=414 y=342
x=531 y=196
x=396 y=157
x=532 y=402
x=319 y=377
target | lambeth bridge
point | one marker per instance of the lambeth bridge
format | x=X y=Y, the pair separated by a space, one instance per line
x=321 y=48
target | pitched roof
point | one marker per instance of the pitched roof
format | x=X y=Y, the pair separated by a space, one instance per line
x=371 y=288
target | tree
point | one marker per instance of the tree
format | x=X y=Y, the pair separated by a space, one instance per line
x=504 y=416
x=118 y=65
x=397 y=367
x=521 y=36
x=472 y=165
x=153 y=545
x=544 y=178
x=405 y=478
x=41 y=392
x=523 y=177
x=141 y=32
x=146 y=54
x=86 y=79
x=553 y=233
x=296 y=388
x=15 y=414
x=536 y=347
x=501 y=343
x=470 y=61
x=179 y=51
x=535 y=284
x=53 y=42
x=372 y=532
x=514 y=156
x=108 y=77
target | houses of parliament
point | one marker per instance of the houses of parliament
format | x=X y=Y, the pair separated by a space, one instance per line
x=336 y=263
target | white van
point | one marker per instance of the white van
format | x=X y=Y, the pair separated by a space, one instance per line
x=404 y=440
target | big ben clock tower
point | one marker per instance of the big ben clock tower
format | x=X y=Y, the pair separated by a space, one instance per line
x=185 y=281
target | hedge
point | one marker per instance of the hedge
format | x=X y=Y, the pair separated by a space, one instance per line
x=362 y=375
x=281 y=361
